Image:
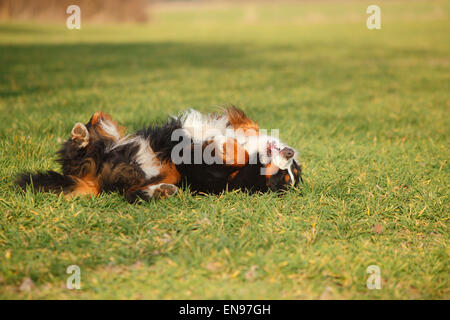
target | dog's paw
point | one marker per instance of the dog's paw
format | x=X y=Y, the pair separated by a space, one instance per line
x=80 y=135
x=162 y=190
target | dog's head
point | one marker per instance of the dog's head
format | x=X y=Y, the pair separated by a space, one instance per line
x=275 y=168
x=281 y=168
x=278 y=167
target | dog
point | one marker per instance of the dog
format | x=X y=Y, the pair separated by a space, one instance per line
x=210 y=153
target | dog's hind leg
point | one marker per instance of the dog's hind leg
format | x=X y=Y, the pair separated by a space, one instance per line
x=157 y=191
x=161 y=186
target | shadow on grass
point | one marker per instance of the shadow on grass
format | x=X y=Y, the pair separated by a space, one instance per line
x=39 y=67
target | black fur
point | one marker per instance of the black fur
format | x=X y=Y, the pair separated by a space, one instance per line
x=49 y=181
x=160 y=138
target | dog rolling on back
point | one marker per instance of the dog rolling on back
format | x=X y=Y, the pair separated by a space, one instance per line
x=153 y=162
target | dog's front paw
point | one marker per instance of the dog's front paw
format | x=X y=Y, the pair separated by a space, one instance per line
x=80 y=135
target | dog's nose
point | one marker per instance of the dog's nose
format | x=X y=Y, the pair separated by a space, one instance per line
x=287 y=152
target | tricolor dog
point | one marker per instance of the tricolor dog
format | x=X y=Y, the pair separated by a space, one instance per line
x=208 y=152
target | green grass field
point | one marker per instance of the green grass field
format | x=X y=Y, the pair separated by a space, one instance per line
x=367 y=110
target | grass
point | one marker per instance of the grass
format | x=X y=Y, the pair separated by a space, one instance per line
x=368 y=111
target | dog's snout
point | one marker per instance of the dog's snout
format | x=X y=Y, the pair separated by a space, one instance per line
x=287 y=152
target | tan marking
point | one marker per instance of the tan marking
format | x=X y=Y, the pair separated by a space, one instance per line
x=87 y=185
x=295 y=171
x=233 y=175
x=100 y=115
x=96 y=117
x=170 y=174
x=234 y=154
x=286 y=178
x=239 y=120
x=271 y=169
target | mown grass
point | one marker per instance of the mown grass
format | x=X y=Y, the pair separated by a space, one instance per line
x=368 y=111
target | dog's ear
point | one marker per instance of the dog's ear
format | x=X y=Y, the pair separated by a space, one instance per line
x=106 y=126
x=80 y=134
x=239 y=121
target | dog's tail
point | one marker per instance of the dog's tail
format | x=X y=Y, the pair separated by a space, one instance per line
x=49 y=181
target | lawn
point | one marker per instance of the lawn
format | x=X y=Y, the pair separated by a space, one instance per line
x=367 y=110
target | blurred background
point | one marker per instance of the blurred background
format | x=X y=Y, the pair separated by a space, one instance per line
x=98 y=11
x=92 y=10
x=259 y=54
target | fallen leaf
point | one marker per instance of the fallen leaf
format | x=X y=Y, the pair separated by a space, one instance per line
x=326 y=294
x=212 y=266
x=137 y=265
x=251 y=273
x=204 y=221
x=27 y=285
x=378 y=228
